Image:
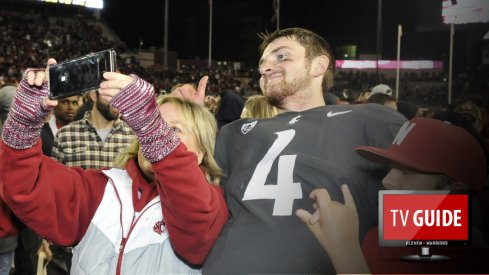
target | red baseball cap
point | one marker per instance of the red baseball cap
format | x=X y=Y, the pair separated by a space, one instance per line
x=434 y=147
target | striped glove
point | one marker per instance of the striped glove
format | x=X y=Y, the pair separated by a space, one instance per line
x=23 y=125
x=137 y=104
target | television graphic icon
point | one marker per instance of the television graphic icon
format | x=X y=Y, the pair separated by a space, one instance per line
x=424 y=218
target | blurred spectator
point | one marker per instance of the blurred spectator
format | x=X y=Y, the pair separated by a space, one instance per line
x=470 y=110
x=363 y=97
x=456 y=119
x=331 y=99
x=86 y=105
x=381 y=89
x=466 y=123
x=408 y=109
x=257 y=106
x=6 y=96
x=229 y=108
x=63 y=114
x=383 y=99
x=211 y=102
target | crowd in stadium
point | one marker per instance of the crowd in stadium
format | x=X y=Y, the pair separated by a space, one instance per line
x=66 y=36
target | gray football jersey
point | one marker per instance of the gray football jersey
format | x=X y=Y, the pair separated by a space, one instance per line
x=272 y=165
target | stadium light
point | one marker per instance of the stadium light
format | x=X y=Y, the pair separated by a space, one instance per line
x=94 y=4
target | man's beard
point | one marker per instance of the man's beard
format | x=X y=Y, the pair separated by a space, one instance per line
x=108 y=113
x=277 y=93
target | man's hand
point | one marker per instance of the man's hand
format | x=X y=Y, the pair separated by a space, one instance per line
x=187 y=91
x=45 y=248
x=335 y=225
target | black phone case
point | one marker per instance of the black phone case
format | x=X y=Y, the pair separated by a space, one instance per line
x=79 y=75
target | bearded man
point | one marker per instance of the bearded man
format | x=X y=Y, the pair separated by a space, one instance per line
x=271 y=166
x=95 y=140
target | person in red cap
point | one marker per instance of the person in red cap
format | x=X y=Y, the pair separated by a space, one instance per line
x=426 y=154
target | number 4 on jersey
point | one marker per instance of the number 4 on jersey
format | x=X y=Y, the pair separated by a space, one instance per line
x=286 y=190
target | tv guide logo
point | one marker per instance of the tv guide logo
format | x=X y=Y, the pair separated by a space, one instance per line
x=429 y=217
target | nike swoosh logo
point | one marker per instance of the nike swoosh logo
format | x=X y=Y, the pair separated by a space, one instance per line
x=331 y=114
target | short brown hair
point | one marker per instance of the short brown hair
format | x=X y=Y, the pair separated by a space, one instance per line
x=314 y=44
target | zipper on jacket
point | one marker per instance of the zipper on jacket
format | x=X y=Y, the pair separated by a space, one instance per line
x=121 y=252
x=123 y=243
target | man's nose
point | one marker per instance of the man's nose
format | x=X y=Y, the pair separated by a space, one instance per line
x=265 y=68
x=390 y=181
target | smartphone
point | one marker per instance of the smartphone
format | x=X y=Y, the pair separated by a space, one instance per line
x=79 y=75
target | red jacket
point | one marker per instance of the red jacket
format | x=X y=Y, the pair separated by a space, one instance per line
x=58 y=202
x=7 y=226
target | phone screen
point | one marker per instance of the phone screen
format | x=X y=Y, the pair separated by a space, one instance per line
x=79 y=75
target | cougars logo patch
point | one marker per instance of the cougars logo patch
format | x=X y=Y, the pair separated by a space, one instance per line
x=159 y=227
x=247 y=127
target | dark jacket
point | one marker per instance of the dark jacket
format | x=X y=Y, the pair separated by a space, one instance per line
x=8 y=244
x=230 y=108
x=47 y=138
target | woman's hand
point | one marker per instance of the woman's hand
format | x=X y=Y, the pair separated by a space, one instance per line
x=113 y=84
x=36 y=77
x=30 y=107
x=135 y=100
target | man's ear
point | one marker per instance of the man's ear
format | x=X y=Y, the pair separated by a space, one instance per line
x=320 y=65
x=93 y=96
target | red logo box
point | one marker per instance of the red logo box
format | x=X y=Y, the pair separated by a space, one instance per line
x=407 y=216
